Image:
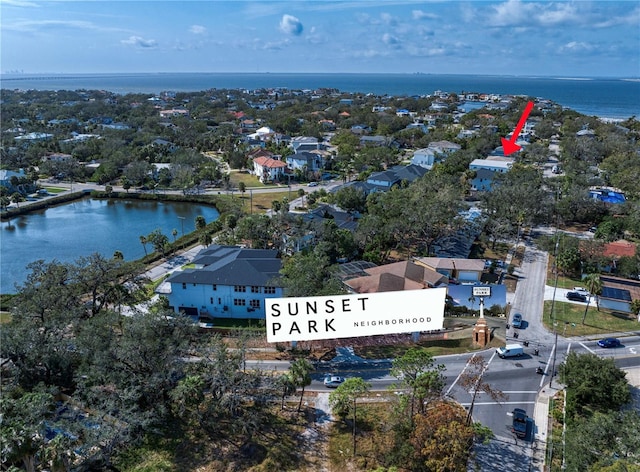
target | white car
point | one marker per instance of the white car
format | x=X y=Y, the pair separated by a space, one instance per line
x=582 y=290
x=333 y=381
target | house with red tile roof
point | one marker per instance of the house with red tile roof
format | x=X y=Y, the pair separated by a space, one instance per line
x=614 y=251
x=404 y=275
x=268 y=169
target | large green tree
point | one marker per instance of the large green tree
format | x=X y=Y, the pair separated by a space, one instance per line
x=593 y=383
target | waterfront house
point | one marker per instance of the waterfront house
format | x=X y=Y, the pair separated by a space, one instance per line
x=227 y=282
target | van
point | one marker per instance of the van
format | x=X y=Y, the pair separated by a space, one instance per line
x=510 y=350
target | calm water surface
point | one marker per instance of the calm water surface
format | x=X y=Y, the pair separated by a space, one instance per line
x=85 y=226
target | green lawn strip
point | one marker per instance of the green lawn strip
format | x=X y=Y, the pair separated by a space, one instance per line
x=435 y=347
x=5 y=317
x=250 y=180
x=568 y=317
x=54 y=190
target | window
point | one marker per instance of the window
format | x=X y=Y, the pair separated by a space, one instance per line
x=184 y=286
x=211 y=300
x=255 y=289
x=214 y=286
x=239 y=302
x=239 y=288
x=269 y=290
x=254 y=303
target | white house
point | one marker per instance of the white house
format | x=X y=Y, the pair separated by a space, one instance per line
x=424 y=157
x=227 y=282
x=268 y=169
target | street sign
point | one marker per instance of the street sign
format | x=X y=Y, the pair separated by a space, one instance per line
x=481 y=291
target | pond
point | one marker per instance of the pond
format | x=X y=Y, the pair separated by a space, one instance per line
x=85 y=226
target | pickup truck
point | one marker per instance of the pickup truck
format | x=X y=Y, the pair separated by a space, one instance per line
x=519 y=426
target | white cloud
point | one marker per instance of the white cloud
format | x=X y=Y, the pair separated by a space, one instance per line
x=423 y=15
x=633 y=18
x=291 y=25
x=388 y=19
x=198 y=29
x=137 y=41
x=389 y=39
x=518 y=13
x=37 y=25
x=576 y=47
x=276 y=45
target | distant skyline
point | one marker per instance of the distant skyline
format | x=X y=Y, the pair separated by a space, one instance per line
x=570 y=39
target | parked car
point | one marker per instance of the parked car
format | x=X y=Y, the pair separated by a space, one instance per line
x=313 y=184
x=333 y=381
x=581 y=290
x=516 y=322
x=609 y=342
x=576 y=297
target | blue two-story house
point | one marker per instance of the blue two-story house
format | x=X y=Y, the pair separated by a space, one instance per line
x=227 y=282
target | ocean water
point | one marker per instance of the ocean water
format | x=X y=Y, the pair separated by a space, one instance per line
x=614 y=98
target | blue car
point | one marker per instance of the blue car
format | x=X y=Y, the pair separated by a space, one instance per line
x=516 y=322
x=609 y=342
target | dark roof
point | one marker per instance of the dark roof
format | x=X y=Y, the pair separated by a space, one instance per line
x=616 y=294
x=231 y=265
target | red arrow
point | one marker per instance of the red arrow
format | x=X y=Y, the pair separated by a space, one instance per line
x=510 y=146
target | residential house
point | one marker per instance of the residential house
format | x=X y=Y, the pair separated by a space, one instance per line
x=57 y=157
x=34 y=137
x=458 y=269
x=268 y=169
x=305 y=161
x=405 y=275
x=227 y=282
x=377 y=141
x=174 y=112
x=618 y=293
x=5 y=178
x=436 y=151
x=444 y=147
x=425 y=157
x=486 y=169
x=384 y=180
x=615 y=250
x=304 y=143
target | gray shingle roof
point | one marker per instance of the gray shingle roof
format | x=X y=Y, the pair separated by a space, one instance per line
x=230 y=265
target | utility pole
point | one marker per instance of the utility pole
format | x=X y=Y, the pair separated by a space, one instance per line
x=182 y=218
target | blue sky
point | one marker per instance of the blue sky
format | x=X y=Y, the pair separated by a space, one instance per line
x=513 y=37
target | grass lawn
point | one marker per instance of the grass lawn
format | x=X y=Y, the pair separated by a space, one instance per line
x=5 y=317
x=55 y=190
x=250 y=180
x=261 y=202
x=569 y=320
x=435 y=347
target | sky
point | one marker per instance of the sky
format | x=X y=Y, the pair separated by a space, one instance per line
x=513 y=37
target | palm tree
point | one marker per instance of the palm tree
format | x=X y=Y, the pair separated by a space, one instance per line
x=301 y=376
x=201 y=223
x=118 y=255
x=143 y=240
x=17 y=198
x=594 y=286
x=174 y=232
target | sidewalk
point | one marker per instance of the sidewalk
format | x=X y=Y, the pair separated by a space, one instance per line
x=541 y=422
